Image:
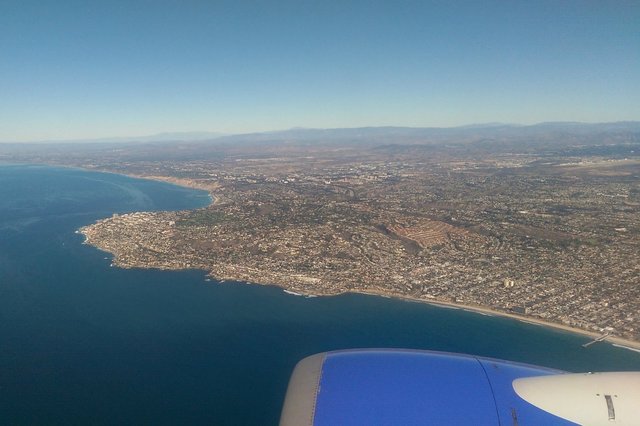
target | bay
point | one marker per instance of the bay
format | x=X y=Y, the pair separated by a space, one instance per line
x=82 y=342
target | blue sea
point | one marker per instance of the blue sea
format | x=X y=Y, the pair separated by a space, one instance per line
x=82 y=342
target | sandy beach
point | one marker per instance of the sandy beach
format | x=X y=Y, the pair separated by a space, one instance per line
x=618 y=341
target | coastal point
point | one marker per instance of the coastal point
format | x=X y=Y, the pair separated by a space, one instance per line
x=540 y=235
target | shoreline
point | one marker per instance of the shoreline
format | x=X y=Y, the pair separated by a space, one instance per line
x=483 y=310
x=477 y=309
x=185 y=183
x=474 y=309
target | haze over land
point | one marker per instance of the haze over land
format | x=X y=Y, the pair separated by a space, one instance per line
x=542 y=221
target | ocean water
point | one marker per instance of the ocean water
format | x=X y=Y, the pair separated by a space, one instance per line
x=85 y=343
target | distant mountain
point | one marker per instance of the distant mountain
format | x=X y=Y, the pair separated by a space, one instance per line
x=179 y=136
x=487 y=134
x=462 y=134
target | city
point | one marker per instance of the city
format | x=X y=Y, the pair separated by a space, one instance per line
x=546 y=235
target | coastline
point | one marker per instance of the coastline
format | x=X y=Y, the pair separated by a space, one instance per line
x=618 y=341
x=185 y=183
x=483 y=310
x=475 y=309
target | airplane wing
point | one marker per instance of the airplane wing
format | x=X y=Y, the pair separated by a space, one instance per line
x=411 y=387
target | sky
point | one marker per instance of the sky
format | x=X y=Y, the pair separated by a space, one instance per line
x=108 y=68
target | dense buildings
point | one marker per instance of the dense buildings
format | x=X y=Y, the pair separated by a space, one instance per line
x=550 y=234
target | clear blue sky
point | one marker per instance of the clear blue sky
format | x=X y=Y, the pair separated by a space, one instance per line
x=82 y=69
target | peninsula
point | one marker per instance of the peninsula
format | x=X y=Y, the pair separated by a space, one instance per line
x=547 y=230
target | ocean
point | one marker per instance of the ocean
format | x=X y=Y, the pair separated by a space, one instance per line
x=82 y=342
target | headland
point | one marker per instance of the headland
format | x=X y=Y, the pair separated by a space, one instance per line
x=545 y=233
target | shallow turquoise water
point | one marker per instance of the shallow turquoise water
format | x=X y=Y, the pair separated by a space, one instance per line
x=82 y=342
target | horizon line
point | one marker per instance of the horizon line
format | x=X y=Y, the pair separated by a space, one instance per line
x=213 y=134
